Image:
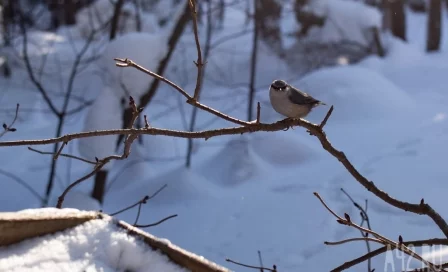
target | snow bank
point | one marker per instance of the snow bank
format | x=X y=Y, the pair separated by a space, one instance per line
x=105 y=113
x=356 y=93
x=233 y=165
x=345 y=20
x=97 y=245
x=281 y=149
x=145 y=49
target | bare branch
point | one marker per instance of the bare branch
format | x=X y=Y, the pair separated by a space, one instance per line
x=199 y=63
x=156 y=223
x=353 y=240
x=91 y=174
x=62 y=155
x=129 y=139
x=206 y=134
x=141 y=201
x=190 y=99
x=364 y=218
x=274 y=269
x=394 y=245
x=416 y=243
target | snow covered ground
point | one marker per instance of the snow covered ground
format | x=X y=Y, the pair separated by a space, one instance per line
x=255 y=192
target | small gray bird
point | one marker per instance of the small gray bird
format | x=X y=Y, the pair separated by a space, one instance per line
x=290 y=101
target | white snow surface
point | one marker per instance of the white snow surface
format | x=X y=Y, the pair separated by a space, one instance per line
x=105 y=113
x=143 y=48
x=97 y=245
x=346 y=20
x=255 y=192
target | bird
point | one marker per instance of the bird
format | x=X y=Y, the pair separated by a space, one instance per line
x=290 y=101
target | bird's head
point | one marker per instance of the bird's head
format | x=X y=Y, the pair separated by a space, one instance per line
x=279 y=85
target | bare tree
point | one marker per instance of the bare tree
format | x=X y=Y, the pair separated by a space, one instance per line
x=65 y=111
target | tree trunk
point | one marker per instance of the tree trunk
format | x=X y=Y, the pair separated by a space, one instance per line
x=434 y=25
x=99 y=186
x=69 y=14
x=397 y=18
x=269 y=15
x=115 y=19
x=258 y=19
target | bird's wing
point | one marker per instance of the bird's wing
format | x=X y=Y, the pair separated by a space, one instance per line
x=298 y=97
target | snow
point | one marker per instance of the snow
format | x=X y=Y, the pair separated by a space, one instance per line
x=105 y=113
x=97 y=245
x=355 y=89
x=145 y=49
x=345 y=20
x=255 y=191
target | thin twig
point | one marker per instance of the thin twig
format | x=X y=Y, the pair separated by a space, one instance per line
x=259 y=253
x=416 y=243
x=56 y=155
x=9 y=128
x=143 y=200
x=199 y=63
x=274 y=269
x=138 y=213
x=158 y=191
x=353 y=240
x=91 y=174
x=63 y=155
x=327 y=116
x=156 y=223
x=364 y=217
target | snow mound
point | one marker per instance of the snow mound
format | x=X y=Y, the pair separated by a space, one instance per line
x=145 y=49
x=233 y=165
x=356 y=93
x=97 y=245
x=345 y=20
x=281 y=149
x=105 y=113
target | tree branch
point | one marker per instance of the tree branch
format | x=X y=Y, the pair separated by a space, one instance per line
x=156 y=223
x=382 y=239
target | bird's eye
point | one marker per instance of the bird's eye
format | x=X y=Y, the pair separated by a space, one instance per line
x=279 y=84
